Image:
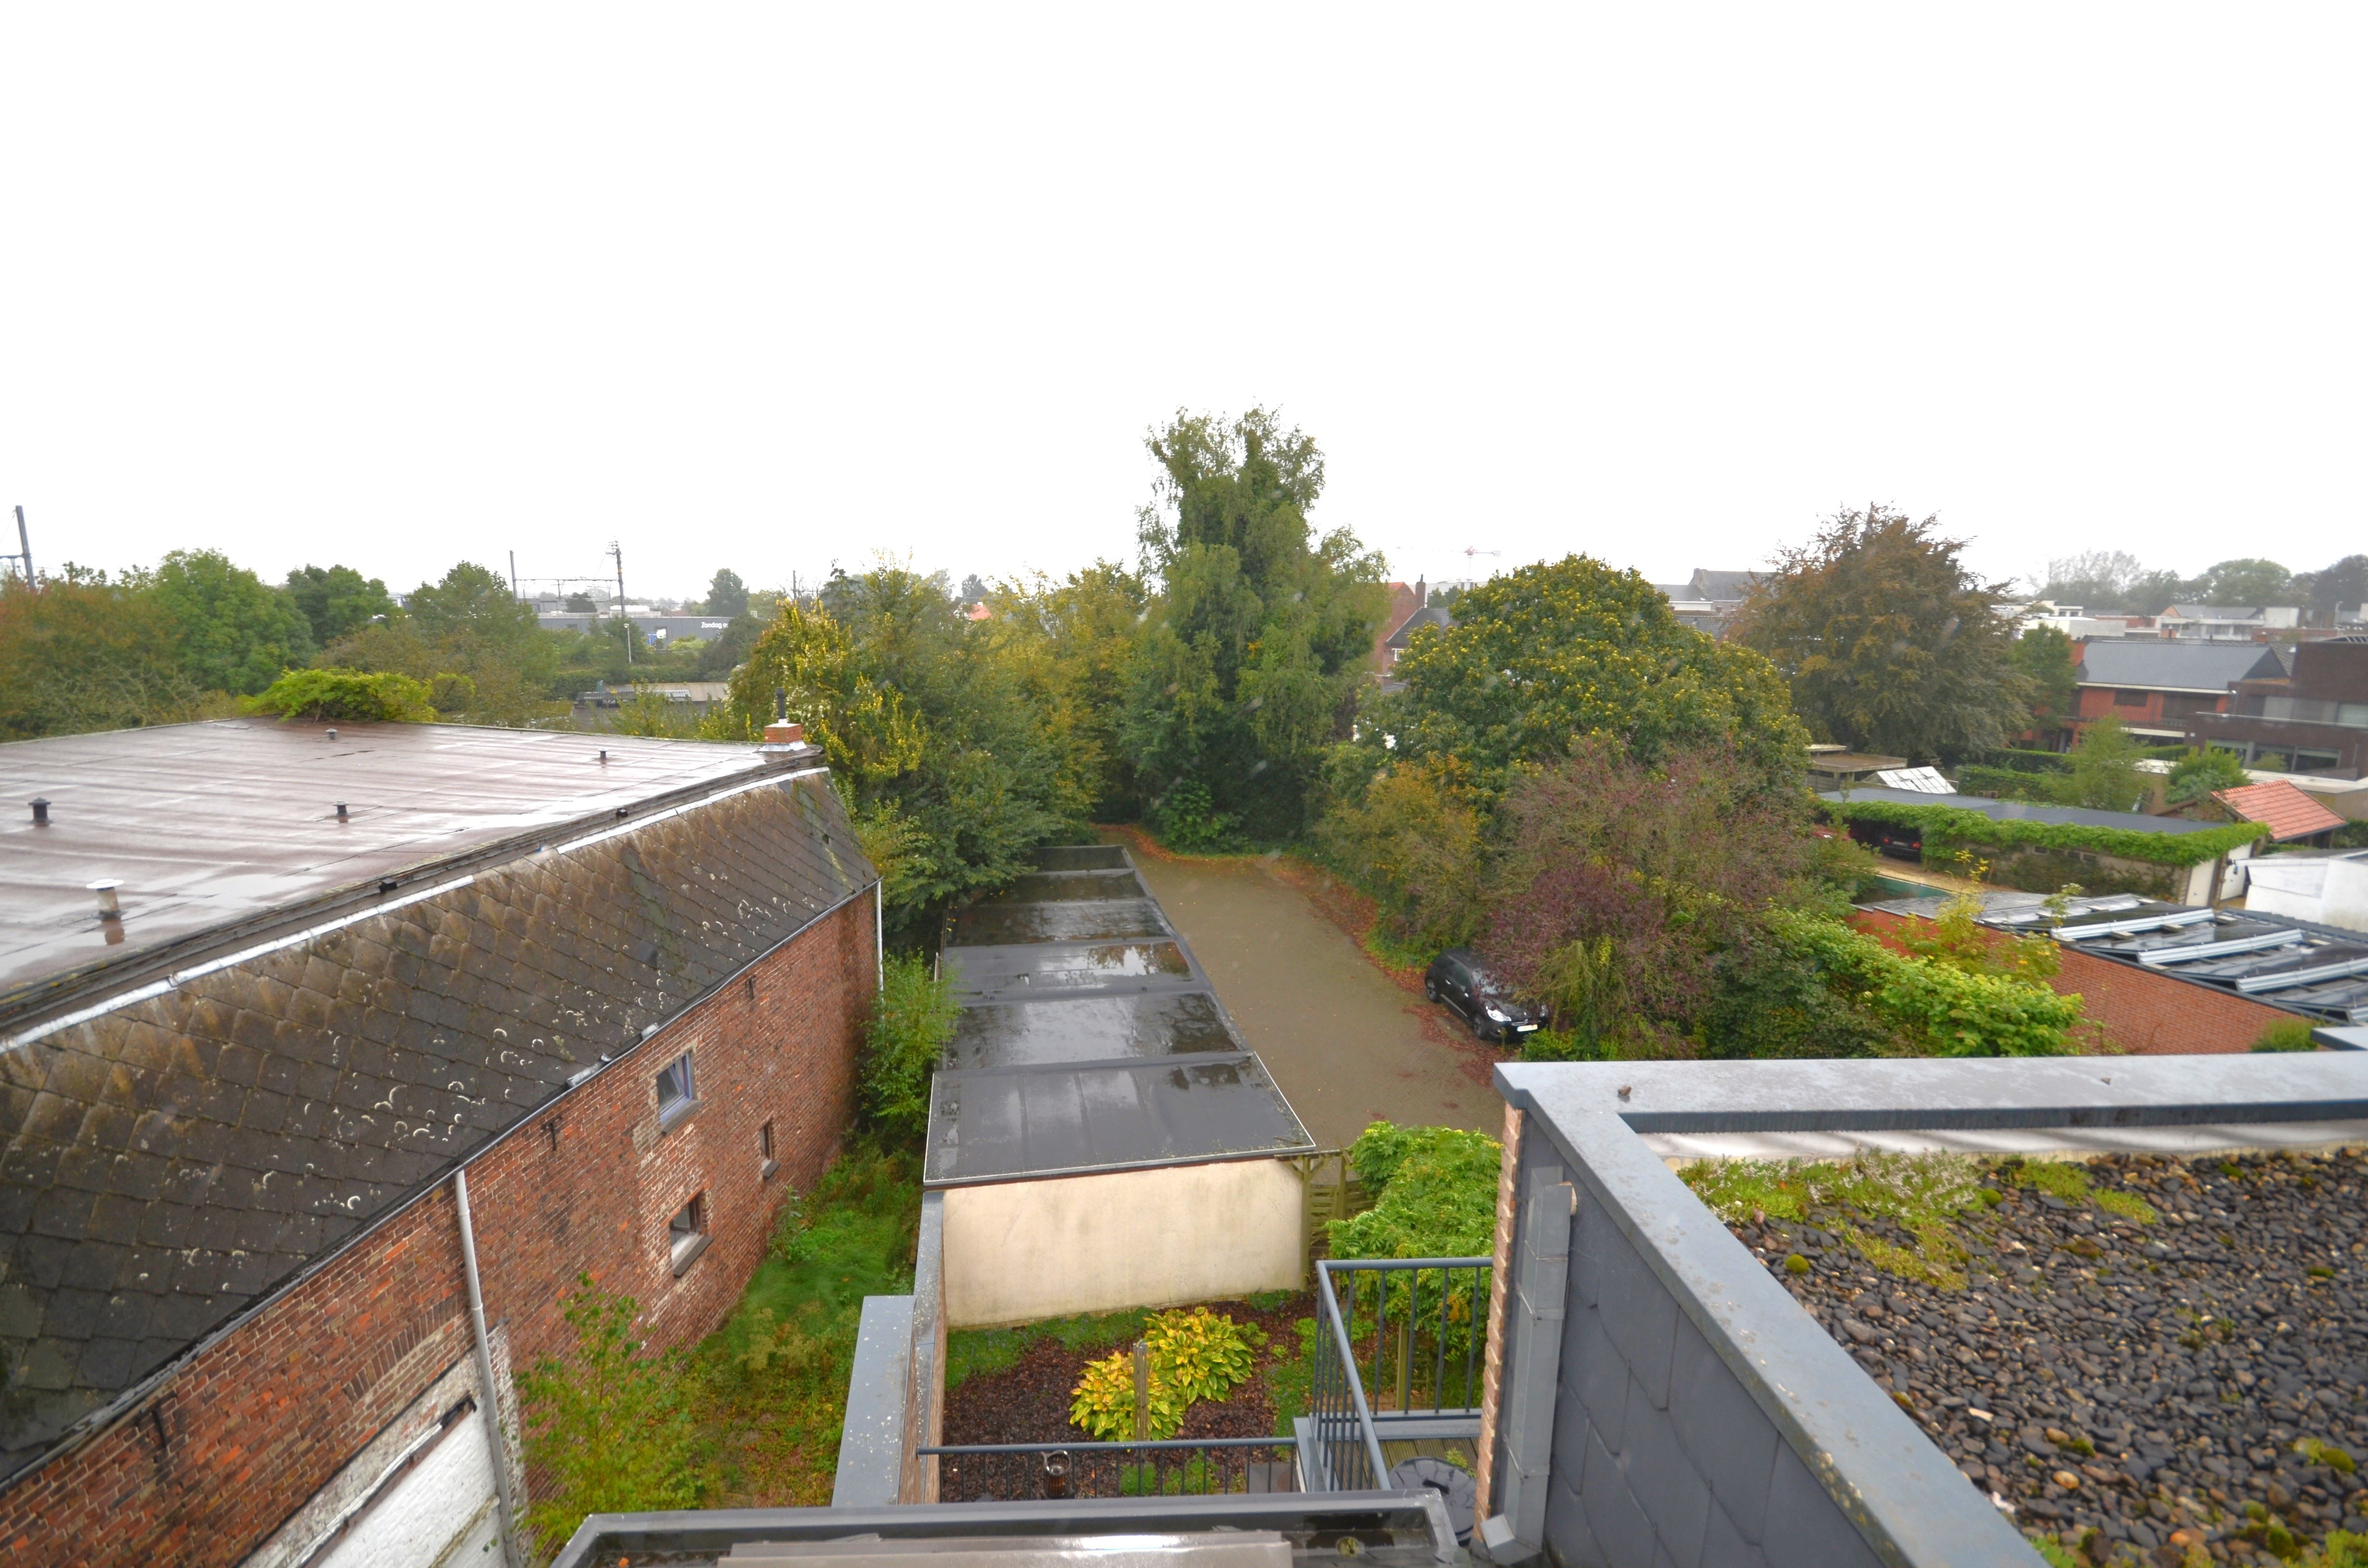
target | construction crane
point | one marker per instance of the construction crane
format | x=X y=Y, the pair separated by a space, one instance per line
x=1470 y=551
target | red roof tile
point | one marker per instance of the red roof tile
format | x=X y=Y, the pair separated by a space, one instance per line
x=2288 y=812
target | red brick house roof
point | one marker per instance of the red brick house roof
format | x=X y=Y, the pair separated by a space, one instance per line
x=2288 y=812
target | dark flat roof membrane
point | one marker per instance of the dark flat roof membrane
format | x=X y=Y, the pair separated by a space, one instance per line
x=210 y=825
x=1005 y=925
x=1070 y=1121
x=1081 y=858
x=1071 y=887
x=1003 y=974
x=1089 y=1029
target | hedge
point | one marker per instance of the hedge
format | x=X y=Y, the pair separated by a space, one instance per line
x=1945 y=1011
x=2011 y=783
x=1959 y=827
x=2021 y=761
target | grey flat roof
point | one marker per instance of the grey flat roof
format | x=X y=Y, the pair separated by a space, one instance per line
x=2144 y=664
x=1089 y=1038
x=212 y=824
x=2023 y=811
x=1071 y=1120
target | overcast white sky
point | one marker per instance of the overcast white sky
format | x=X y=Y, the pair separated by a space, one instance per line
x=768 y=287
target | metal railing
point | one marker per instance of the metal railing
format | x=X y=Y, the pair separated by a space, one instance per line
x=1417 y=1316
x=1178 y=1467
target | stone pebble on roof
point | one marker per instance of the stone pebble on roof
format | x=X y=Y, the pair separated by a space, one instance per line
x=171 y=1165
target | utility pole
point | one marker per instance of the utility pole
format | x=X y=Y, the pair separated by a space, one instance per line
x=513 y=574
x=618 y=550
x=25 y=545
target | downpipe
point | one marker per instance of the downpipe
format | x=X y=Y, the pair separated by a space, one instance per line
x=493 y=1406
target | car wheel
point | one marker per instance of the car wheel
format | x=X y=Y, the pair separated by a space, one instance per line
x=1431 y=991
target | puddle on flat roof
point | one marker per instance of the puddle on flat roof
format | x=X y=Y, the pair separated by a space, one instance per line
x=1011 y=925
x=1026 y=971
x=1088 y=1028
x=1069 y=887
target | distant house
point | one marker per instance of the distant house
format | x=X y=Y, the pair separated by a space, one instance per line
x=1403 y=602
x=2155 y=688
x=1708 y=600
x=2303 y=709
x=2226 y=623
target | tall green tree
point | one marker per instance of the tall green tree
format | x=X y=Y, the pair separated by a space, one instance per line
x=230 y=629
x=336 y=600
x=726 y=594
x=1071 y=645
x=2249 y=581
x=79 y=652
x=1891 y=643
x=1259 y=633
x=2046 y=657
x=2342 y=585
x=954 y=773
x=1556 y=655
x=467 y=624
x=2105 y=775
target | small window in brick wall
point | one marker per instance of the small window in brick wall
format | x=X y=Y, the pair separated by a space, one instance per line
x=686 y=1232
x=676 y=1095
x=765 y=1149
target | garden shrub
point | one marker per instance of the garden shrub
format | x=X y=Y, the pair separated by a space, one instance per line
x=612 y=1429
x=1186 y=819
x=2199 y=773
x=1933 y=1008
x=2286 y=1034
x=353 y=695
x=1434 y=1191
x=1193 y=1356
x=910 y=1025
x=1411 y=836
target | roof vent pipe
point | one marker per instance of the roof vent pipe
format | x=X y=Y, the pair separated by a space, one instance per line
x=332 y=732
x=341 y=812
x=604 y=753
x=40 y=812
x=109 y=906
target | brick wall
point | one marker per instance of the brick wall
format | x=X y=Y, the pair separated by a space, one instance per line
x=214 y=1460
x=2139 y=1011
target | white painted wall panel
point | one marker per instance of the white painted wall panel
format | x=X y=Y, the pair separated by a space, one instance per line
x=1018 y=1252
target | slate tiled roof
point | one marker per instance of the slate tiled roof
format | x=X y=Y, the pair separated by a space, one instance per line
x=2140 y=664
x=2288 y=812
x=171 y=1163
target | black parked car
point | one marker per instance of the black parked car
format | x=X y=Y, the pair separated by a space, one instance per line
x=1457 y=978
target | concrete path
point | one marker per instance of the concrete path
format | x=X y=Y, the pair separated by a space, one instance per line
x=1345 y=1043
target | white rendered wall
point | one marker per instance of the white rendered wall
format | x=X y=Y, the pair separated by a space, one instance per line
x=1016 y=1252
x=2333 y=891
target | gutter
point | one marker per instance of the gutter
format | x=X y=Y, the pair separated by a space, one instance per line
x=499 y=1449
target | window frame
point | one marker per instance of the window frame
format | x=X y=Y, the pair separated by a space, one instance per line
x=671 y=1111
x=686 y=1242
x=771 y=1164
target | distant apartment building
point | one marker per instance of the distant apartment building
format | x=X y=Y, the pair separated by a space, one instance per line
x=1708 y=600
x=2226 y=623
x=2309 y=718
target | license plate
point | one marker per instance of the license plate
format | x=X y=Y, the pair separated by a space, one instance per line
x=1523 y=1029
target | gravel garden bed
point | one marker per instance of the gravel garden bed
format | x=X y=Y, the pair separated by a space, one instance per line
x=1027 y=1401
x=2142 y=1358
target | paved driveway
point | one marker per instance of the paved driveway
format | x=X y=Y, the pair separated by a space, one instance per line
x=1345 y=1043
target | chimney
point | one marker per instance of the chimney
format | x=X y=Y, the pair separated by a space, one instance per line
x=782 y=733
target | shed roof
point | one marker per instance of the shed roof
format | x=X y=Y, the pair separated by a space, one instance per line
x=200 y=1142
x=1090 y=1038
x=2141 y=664
x=2288 y=812
x=1074 y=1118
x=2025 y=811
